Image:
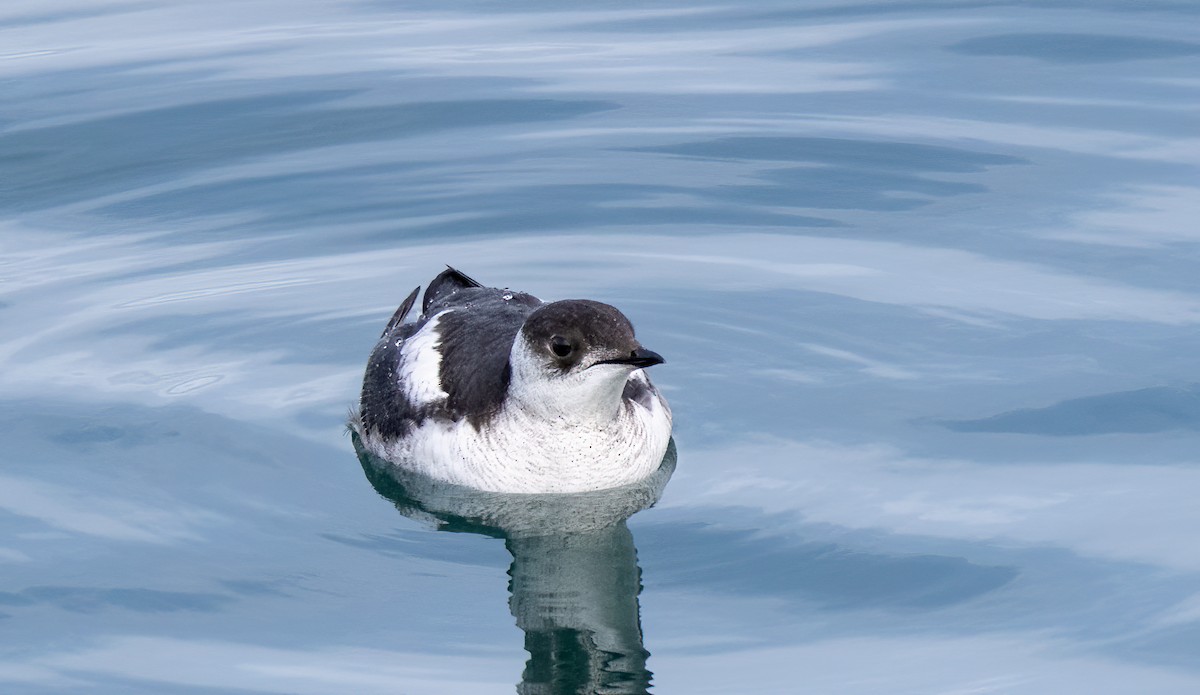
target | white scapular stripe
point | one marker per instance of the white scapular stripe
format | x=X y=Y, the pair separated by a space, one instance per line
x=420 y=372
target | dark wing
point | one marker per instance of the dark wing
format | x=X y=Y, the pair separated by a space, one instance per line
x=445 y=285
x=398 y=317
x=475 y=344
x=474 y=338
x=384 y=409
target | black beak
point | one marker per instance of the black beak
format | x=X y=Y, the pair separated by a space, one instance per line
x=639 y=358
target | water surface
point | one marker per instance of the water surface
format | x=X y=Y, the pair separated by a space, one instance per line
x=924 y=274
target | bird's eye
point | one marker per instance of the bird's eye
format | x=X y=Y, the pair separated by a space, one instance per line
x=561 y=346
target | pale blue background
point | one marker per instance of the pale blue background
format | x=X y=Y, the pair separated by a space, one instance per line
x=925 y=274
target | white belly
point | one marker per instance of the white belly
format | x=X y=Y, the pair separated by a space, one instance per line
x=514 y=453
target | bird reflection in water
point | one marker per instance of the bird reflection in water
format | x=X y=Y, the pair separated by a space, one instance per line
x=575 y=577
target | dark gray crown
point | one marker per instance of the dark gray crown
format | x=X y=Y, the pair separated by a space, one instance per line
x=571 y=329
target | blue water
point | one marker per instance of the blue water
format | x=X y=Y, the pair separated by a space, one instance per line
x=924 y=274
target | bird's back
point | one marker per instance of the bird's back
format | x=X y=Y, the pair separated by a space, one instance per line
x=449 y=364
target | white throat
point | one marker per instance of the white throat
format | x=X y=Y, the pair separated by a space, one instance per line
x=589 y=396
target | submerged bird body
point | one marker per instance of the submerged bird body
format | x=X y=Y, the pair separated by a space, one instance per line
x=497 y=390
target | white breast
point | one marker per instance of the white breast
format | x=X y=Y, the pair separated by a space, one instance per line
x=517 y=452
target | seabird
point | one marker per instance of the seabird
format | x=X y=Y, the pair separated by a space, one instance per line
x=497 y=390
